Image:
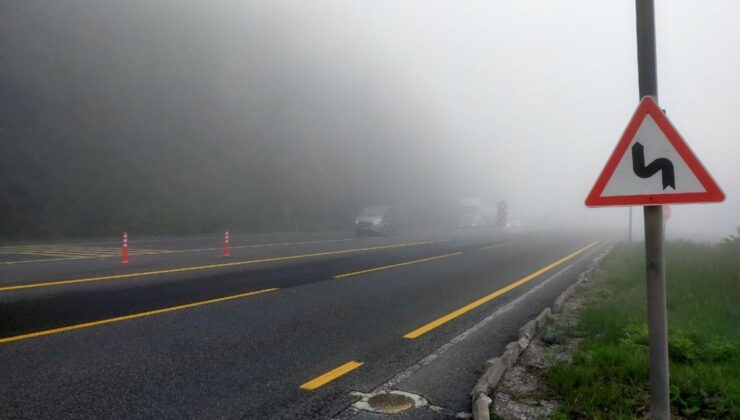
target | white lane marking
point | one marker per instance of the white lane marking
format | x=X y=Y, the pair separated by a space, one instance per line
x=400 y=377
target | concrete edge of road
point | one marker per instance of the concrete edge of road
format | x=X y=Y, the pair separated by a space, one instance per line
x=482 y=393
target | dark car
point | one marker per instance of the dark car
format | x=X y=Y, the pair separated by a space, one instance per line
x=378 y=220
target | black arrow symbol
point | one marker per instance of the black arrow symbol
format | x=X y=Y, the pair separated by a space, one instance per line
x=658 y=165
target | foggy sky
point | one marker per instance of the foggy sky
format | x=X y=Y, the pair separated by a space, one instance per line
x=520 y=101
x=532 y=96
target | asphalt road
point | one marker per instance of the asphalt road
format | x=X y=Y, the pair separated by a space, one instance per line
x=290 y=326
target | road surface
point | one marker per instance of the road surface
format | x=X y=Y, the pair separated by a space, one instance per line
x=290 y=326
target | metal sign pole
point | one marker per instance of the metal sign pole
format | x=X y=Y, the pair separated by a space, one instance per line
x=654 y=261
x=657 y=318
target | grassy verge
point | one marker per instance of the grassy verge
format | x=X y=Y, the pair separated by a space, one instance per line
x=608 y=377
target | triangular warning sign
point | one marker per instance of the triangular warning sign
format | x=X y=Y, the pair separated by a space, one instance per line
x=652 y=165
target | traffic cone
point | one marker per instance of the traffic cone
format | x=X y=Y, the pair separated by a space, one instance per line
x=226 y=244
x=124 y=251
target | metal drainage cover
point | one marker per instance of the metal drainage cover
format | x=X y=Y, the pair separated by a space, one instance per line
x=390 y=403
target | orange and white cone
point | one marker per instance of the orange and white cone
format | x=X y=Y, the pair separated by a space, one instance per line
x=227 y=253
x=124 y=251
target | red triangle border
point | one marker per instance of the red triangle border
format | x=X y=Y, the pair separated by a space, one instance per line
x=648 y=106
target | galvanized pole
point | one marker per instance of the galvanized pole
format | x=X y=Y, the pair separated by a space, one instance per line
x=657 y=318
x=654 y=261
x=629 y=232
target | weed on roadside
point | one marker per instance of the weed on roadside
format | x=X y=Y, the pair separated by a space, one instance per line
x=608 y=376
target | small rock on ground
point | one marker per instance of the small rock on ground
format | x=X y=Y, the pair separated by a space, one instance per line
x=522 y=393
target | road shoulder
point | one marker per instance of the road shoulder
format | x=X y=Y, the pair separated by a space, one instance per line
x=443 y=378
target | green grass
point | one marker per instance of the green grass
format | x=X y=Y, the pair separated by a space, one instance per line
x=609 y=374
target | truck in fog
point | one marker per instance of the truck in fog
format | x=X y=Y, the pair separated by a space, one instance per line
x=473 y=212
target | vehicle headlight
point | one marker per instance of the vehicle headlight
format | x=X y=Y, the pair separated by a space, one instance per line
x=357 y=221
x=377 y=222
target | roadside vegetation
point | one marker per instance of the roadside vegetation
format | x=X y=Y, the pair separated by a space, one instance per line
x=608 y=376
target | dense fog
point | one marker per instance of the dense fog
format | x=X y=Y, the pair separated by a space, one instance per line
x=169 y=117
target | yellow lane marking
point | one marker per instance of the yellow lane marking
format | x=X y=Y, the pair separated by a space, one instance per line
x=498 y=245
x=132 y=316
x=147 y=251
x=19 y=250
x=60 y=252
x=485 y=299
x=41 y=260
x=324 y=379
x=47 y=254
x=92 y=250
x=255 y=246
x=386 y=267
x=79 y=253
x=40 y=248
x=91 y=253
x=294 y=243
x=208 y=238
x=202 y=267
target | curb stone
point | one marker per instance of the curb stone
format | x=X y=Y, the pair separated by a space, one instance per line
x=523 y=342
x=481 y=405
x=511 y=354
x=542 y=319
x=528 y=330
x=496 y=367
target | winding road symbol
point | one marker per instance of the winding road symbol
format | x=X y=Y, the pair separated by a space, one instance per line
x=658 y=165
x=649 y=130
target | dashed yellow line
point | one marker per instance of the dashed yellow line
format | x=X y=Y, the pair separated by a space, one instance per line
x=203 y=267
x=324 y=379
x=498 y=245
x=132 y=316
x=485 y=299
x=386 y=267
